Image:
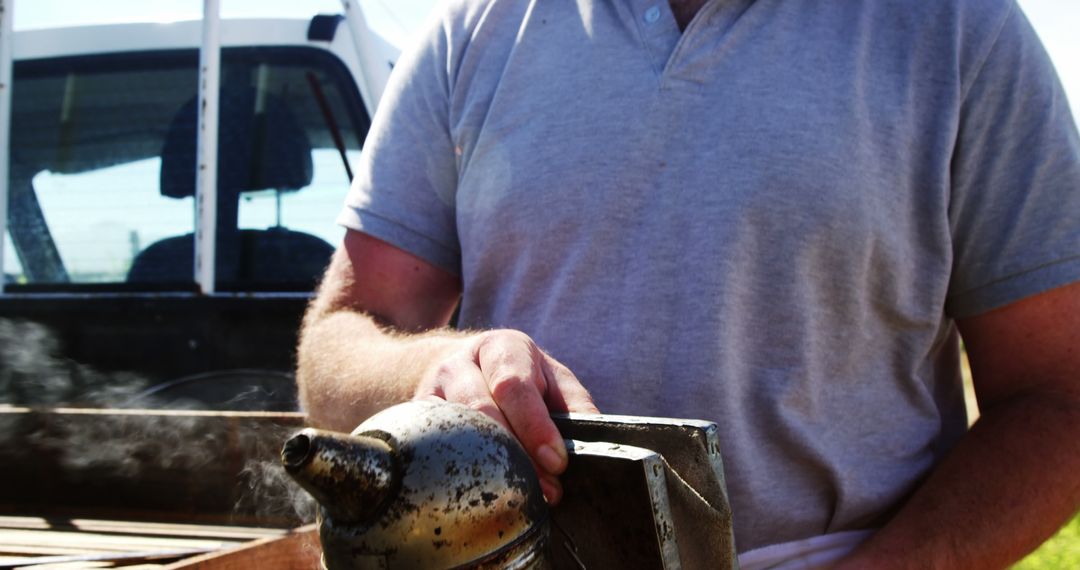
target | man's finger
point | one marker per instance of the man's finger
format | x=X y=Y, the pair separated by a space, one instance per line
x=460 y=381
x=551 y=487
x=516 y=381
x=565 y=393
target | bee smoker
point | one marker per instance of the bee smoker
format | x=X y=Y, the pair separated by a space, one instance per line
x=423 y=485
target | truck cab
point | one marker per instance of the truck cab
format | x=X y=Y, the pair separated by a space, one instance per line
x=101 y=302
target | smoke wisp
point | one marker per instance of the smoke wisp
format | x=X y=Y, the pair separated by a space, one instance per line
x=164 y=459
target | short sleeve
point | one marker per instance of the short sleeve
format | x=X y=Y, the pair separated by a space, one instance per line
x=404 y=189
x=1015 y=203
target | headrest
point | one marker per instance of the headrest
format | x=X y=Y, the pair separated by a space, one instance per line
x=256 y=151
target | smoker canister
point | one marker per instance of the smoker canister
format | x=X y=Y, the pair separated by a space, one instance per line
x=423 y=484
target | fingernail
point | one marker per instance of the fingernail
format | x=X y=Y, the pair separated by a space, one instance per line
x=552 y=490
x=551 y=460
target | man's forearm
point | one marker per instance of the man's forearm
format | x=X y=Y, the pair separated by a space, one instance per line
x=349 y=368
x=1009 y=484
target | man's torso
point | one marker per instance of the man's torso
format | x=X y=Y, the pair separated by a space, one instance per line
x=746 y=222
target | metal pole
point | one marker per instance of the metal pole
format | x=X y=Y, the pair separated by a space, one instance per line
x=206 y=175
x=7 y=9
x=374 y=70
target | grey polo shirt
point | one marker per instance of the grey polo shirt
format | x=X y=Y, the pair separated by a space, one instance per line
x=769 y=221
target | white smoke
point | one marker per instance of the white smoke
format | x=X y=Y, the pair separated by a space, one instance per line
x=133 y=448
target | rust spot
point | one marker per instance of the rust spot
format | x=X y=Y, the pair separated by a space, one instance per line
x=472 y=475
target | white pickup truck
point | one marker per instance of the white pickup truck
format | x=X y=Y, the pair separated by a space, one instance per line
x=109 y=207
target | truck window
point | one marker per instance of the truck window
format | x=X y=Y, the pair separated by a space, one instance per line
x=103 y=169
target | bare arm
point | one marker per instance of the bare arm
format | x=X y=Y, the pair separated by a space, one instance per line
x=354 y=359
x=1015 y=478
x=376 y=335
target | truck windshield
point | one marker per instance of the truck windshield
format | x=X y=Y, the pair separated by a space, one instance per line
x=103 y=164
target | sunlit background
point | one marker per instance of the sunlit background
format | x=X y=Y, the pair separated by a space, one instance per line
x=1057 y=21
x=98 y=241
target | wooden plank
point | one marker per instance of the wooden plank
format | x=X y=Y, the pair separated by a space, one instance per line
x=79 y=565
x=52 y=550
x=300 y=549
x=141 y=528
x=37 y=541
x=106 y=560
x=13 y=540
x=291 y=417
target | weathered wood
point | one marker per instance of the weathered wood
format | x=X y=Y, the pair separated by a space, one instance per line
x=99 y=560
x=19 y=541
x=238 y=533
x=298 y=550
x=83 y=543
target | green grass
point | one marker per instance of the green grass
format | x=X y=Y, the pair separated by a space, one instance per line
x=1061 y=551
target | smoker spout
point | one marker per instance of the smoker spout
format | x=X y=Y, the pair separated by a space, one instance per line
x=352 y=477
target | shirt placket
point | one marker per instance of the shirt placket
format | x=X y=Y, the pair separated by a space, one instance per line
x=657 y=29
x=666 y=44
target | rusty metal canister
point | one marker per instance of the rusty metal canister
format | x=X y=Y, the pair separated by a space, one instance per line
x=423 y=484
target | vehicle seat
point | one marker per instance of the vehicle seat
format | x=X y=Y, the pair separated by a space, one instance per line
x=258 y=149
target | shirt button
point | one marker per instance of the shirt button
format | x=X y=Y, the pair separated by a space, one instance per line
x=652 y=15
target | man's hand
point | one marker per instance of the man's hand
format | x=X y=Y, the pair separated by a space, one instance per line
x=503 y=374
x=376 y=335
